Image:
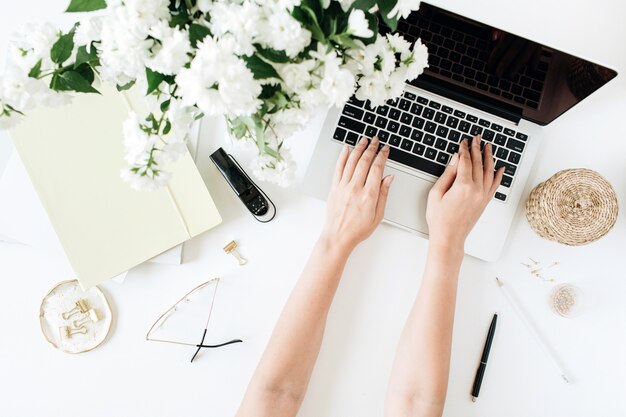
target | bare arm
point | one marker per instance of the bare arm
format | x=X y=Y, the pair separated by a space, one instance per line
x=419 y=378
x=355 y=207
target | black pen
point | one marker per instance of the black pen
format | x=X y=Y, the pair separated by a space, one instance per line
x=480 y=372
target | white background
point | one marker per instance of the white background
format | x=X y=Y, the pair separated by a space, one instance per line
x=128 y=376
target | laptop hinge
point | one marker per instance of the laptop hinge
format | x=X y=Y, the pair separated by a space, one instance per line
x=468 y=97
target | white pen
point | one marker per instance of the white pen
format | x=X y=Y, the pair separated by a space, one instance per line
x=532 y=328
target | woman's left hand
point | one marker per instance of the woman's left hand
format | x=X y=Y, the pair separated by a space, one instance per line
x=357 y=199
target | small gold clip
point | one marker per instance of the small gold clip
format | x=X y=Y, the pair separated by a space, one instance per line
x=80 y=307
x=92 y=316
x=67 y=332
x=231 y=249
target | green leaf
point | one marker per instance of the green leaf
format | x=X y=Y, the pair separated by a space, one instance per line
x=197 y=33
x=271 y=152
x=345 y=40
x=315 y=28
x=85 y=57
x=62 y=48
x=35 y=71
x=272 y=55
x=364 y=5
x=154 y=79
x=71 y=81
x=86 y=72
x=85 y=5
x=268 y=91
x=125 y=86
x=260 y=69
x=167 y=128
x=179 y=20
x=165 y=105
x=237 y=127
x=385 y=7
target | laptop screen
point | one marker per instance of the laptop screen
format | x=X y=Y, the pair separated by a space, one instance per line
x=497 y=71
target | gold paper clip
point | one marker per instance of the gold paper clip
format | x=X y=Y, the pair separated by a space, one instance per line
x=92 y=316
x=67 y=332
x=231 y=249
x=80 y=307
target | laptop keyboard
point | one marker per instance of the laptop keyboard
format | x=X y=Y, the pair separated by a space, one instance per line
x=461 y=54
x=424 y=134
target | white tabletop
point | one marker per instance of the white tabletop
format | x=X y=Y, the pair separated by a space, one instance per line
x=128 y=376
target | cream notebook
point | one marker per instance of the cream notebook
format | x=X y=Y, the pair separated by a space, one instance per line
x=74 y=155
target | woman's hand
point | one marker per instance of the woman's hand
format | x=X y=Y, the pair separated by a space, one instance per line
x=356 y=203
x=461 y=194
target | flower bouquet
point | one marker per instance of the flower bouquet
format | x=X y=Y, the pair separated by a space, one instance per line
x=265 y=65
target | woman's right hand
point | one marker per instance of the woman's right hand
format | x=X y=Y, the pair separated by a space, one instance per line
x=461 y=194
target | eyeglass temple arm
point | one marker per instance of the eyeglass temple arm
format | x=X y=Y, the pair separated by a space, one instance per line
x=202 y=345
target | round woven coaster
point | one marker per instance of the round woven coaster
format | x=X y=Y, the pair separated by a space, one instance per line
x=573 y=207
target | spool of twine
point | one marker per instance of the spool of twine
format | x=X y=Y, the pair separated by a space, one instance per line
x=573 y=207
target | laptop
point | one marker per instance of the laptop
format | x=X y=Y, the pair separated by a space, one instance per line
x=480 y=80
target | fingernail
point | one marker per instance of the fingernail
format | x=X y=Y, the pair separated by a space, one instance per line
x=389 y=180
x=375 y=139
x=454 y=160
x=363 y=141
x=345 y=149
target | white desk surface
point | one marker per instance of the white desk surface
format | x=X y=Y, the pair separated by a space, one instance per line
x=128 y=376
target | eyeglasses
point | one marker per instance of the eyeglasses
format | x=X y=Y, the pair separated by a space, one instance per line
x=184 y=304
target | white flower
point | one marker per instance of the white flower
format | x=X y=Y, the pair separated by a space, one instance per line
x=89 y=30
x=137 y=143
x=397 y=82
x=122 y=53
x=399 y=45
x=284 y=33
x=418 y=61
x=286 y=122
x=31 y=43
x=312 y=98
x=138 y=16
x=181 y=118
x=19 y=90
x=362 y=59
x=218 y=82
x=241 y=21
x=403 y=8
x=171 y=53
x=337 y=85
x=280 y=172
x=205 y=5
x=386 y=55
x=358 y=24
x=296 y=76
x=374 y=88
x=171 y=151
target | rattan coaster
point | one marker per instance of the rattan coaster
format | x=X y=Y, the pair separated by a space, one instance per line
x=573 y=207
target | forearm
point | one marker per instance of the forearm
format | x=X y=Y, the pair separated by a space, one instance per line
x=419 y=377
x=280 y=381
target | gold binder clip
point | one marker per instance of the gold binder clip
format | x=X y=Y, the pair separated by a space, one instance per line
x=92 y=316
x=67 y=332
x=80 y=307
x=231 y=249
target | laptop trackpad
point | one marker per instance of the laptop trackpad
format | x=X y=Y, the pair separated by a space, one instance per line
x=406 y=204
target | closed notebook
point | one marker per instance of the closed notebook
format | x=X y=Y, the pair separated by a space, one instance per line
x=74 y=155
